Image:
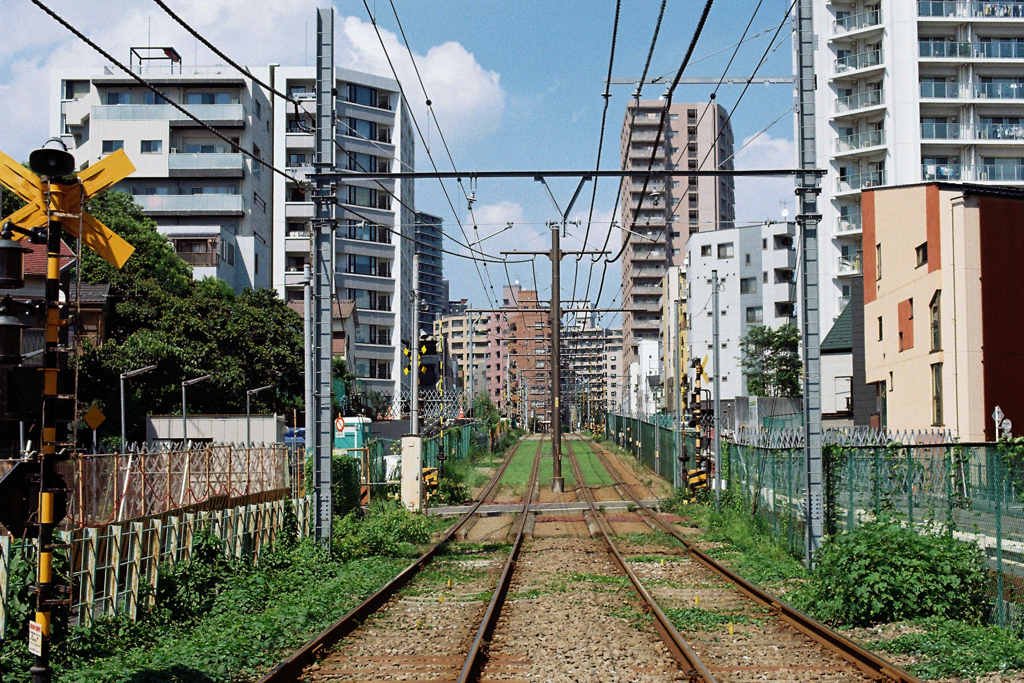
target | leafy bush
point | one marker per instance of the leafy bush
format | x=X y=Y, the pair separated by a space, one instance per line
x=382 y=533
x=451 y=492
x=885 y=572
x=188 y=590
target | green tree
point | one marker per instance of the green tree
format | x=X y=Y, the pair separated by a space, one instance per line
x=771 y=361
x=186 y=328
x=485 y=410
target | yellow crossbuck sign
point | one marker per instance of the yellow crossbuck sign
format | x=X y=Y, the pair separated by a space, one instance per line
x=66 y=202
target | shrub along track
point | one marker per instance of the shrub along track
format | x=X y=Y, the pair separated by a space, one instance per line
x=425 y=627
x=738 y=631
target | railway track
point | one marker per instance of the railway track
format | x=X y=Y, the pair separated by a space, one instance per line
x=741 y=632
x=387 y=659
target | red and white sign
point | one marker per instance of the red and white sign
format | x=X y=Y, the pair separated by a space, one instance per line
x=339 y=424
x=35 y=638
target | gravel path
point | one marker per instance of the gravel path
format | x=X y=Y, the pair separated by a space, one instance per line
x=761 y=647
x=427 y=628
x=569 y=617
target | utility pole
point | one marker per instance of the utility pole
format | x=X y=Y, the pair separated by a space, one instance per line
x=808 y=218
x=414 y=357
x=677 y=361
x=717 y=379
x=324 y=198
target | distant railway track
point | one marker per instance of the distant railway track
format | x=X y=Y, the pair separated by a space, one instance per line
x=294 y=667
x=787 y=634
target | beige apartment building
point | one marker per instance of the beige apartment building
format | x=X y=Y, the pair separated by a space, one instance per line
x=695 y=136
x=943 y=301
x=465 y=336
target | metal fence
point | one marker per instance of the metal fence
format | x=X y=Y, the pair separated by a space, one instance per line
x=652 y=440
x=121 y=486
x=920 y=479
x=434 y=406
x=384 y=455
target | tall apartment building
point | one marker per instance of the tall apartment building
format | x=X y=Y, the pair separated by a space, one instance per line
x=373 y=265
x=756 y=267
x=433 y=289
x=910 y=92
x=695 y=136
x=673 y=335
x=465 y=335
x=212 y=202
x=583 y=345
x=519 y=344
x=613 y=370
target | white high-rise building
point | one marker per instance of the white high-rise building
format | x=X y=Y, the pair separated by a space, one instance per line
x=211 y=201
x=910 y=91
x=373 y=265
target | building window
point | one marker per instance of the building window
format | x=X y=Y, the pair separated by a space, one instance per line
x=755 y=314
x=878 y=261
x=879 y=328
x=764 y=243
x=111 y=146
x=152 y=147
x=208 y=98
x=922 y=254
x=937 y=394
x=764 y=277
x=748 y=285
x=725 y=250
x=705 y=250
x=933 y=321
x=259 y=110
x=118 y=98
x=784 y=309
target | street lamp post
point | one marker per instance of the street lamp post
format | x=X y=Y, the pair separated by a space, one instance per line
x=248 y=412
x=124 y=376
x=184 y=422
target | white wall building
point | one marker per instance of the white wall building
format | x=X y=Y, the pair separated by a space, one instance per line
x=757 y=270
x=615 y=375
x=212 y=202
x=910 y=91
x=373 y=265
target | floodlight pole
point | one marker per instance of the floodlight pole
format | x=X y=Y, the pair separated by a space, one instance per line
x=184 y=421
x=248 y=413
x=124 y=376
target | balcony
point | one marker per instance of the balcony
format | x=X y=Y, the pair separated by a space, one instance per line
x=849 y=265
x=842 y=301
x=994 y=49
x=648 y=255
x=940 y=89
x=222 y=114
x=856 y=22
x=851 y=143
x=999 y=91
x=173 y=204
x=858 y=181
x=988 y=132
x=862 y=100
x=200 y=258
x=963 y=9
x=981 y=173
x=859 y=60
x=848 y=223
x=199 y=165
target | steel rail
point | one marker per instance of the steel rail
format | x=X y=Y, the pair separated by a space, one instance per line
x=681 y=652
x=291 y=668
x=869 y=663
x=476 y=656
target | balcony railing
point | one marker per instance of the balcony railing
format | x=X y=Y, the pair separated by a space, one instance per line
x=855 y=22
x=859 y=60
x=995 y=49
x=1000 y=91
x=198 y=203
x=849 y=265
x=977 y=131
x=859 y=181
x=941 y=131
x=200 y=258
x=869 y=98
x=1013 y=173
x=165 y=112
x=849 y=143
x=849 y=222
x=190 y=162
x=940 y=89
x=953 y=89
x=963 y=8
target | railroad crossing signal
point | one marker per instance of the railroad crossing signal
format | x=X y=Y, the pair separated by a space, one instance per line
x=66 y=202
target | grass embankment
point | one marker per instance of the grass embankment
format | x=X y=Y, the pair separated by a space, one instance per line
x=215 y=619
x=591 y=467
x=917 y=599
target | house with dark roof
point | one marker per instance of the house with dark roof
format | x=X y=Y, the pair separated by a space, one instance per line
x=837 y=371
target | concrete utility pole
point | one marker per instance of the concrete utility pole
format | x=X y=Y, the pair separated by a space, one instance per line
x=808 y=218
x=324 y=198
x=677 y=361
x=717 y=409
x=414 y=356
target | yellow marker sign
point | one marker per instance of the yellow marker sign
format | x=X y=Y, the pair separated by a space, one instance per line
x=68 y=200
x=94 y=418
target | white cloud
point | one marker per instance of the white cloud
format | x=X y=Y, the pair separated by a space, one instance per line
x=468 y=99
x=759 y=199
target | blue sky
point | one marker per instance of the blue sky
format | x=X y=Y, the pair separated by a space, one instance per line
x=515 y=85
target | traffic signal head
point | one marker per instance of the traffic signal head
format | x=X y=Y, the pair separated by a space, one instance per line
x=12 y=260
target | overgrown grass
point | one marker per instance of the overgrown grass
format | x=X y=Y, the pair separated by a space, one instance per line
x=593 y=470
x=697 y=619
x=517 y=474
x=948 y=648
x=547 y=470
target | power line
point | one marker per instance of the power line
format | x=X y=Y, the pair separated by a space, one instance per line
x=143 y=82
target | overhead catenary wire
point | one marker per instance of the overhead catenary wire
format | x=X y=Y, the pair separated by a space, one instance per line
x=146 y=84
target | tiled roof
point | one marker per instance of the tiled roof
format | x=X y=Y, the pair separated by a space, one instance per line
x=840 y=337
x=35 y=260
